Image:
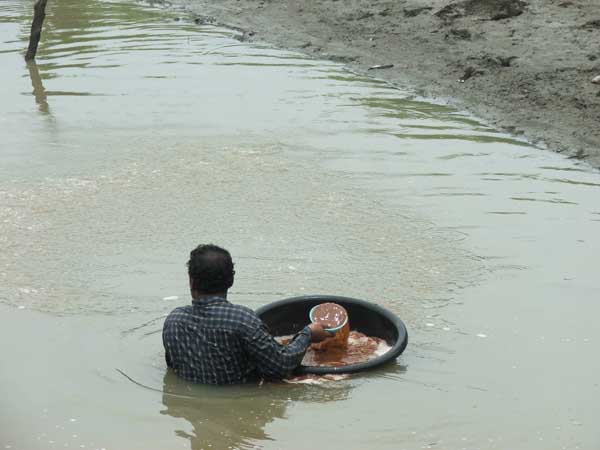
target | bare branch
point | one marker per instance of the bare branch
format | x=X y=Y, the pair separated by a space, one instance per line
x=39 y=13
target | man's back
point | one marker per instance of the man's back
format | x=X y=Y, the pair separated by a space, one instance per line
x=215 y=342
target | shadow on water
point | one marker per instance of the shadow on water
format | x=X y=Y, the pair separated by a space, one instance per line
x=236 y=417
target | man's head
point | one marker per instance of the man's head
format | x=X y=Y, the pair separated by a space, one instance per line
x=210 y=269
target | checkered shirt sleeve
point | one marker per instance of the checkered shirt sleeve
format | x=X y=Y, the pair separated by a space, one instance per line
x=215 y=342
x=274 y=360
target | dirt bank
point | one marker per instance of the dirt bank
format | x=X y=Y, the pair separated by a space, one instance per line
x=526 y=65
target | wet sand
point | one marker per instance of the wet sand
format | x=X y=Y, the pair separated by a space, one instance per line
x=529 y=63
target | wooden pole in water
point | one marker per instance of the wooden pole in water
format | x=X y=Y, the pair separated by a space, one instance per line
x=39 y=13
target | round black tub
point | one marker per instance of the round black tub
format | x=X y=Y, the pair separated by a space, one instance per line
x=289 y=316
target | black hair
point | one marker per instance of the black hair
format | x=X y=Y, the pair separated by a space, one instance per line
x=211 y=269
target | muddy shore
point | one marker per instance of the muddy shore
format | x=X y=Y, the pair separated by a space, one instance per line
x=525 y=66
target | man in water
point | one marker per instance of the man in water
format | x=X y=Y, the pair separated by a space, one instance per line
x=213 y=341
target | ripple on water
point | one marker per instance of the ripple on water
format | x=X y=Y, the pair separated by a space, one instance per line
x=102 y=240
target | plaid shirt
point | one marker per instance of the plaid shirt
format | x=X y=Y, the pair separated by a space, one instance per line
x=215 y=342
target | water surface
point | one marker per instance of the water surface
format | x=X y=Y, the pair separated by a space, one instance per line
x=139 y=134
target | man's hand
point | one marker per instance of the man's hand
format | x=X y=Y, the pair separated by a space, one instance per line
x=318 y=333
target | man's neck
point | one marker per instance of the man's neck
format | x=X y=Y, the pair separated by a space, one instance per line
x=199 y=296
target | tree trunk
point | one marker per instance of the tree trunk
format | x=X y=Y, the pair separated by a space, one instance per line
x=39 y=13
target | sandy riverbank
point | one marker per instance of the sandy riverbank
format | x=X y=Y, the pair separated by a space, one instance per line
x=528 y=65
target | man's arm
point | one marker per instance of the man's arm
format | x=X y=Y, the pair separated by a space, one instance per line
x=166 y=347
x=274 y=360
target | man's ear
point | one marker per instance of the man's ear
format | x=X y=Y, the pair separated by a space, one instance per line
x=191 y=282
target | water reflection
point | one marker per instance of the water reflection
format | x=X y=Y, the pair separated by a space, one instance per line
x=236 y=417
x=41 y=98
x=419 y=119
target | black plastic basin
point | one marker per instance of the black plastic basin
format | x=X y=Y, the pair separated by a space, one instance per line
x=289 y=316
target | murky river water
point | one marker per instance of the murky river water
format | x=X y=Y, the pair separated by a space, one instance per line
x=137 y=136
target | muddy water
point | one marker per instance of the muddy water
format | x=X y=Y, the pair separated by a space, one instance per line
x=355 y=348
x=137 y=136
